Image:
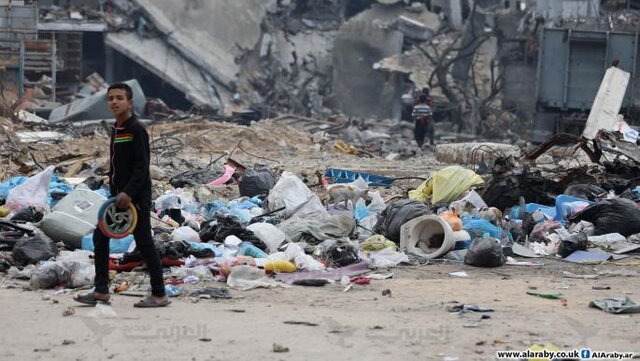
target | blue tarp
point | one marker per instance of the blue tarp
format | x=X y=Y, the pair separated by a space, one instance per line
x=347 y=176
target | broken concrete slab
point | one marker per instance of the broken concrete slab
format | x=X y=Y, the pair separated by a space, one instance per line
x=608 y=101
x=159 y=58
x=468 y=153
x=210 y=33
x=95 y=106
x=36 y=137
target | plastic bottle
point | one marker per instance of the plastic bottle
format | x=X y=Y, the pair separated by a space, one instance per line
x=172 y=290
x=248 y=249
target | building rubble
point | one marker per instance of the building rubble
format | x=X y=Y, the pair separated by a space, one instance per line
x=283 y=152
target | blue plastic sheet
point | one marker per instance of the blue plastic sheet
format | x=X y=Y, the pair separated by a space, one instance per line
x=361 y=212
x=239 y=209
x=9 y=185
x=347 y=176
x=557 y=212
x=115 y=245
x=203 y=245
x=477 y=227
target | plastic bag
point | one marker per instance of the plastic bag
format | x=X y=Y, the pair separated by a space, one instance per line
x=48 y=275
x=202 y=272
x=28 y=214
x=387 y=258
x=33 y=249
x=269 y=234
x=397 y=214
x=24 y=274
x=453 y=219
x=176 y=199
x=222 y=226
x=81 y=273
x=615 y=215
x=257 y=181
x=290 y=192
x=302 y=260
x=203 y=250
x=366 y=226
x=376 y=206
x=33 y=192
x=247 y=277
x=121 y=245
x=185 y=234
x=477 y=227
x=446 y=185
x=575 y=242
x=485 y=252
x=376 y=243
x=586 y=191
x=341 y=254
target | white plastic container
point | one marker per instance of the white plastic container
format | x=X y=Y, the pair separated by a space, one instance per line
x=75 y=216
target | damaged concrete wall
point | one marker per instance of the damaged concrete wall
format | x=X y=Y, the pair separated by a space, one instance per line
x=211 y=33
x=360 y=90
x=568 y=9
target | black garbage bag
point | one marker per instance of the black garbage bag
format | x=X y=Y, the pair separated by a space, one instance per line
x=201 y=252
x=397 y=214
x=31 y=250
x=504 y=191
x=221 y=226
x=341 y=254
x=577 y=242
x=194 y=177
x=617 y=185
x=28 y=214
x=516 y=231
x=169 y=249
x=94 y=183
x=485 y=252
x=255 y=182
x=616 y=215
x=585 y=191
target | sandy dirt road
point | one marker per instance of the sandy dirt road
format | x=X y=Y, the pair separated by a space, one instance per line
x=411 y=324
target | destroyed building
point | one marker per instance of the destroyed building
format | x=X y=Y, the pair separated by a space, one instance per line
x=484 y=61
x=552 y=62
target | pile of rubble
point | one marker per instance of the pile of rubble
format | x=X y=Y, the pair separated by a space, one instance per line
x=303 y=214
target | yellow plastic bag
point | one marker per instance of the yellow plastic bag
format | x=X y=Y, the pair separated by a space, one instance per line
x=279 y=266
x=377 y=242
x=446 y=185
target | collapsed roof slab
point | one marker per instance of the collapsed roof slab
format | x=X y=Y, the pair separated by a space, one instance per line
x=158 y=57
x=211 y=34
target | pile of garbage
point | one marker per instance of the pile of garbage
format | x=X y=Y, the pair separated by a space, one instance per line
x=260 y=226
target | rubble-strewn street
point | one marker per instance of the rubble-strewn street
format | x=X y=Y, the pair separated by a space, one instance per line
x=300 y=180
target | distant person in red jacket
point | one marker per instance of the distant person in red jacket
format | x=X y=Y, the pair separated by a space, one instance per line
x=129 y=181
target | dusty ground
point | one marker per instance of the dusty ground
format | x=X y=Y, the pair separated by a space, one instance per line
x=362 y=324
